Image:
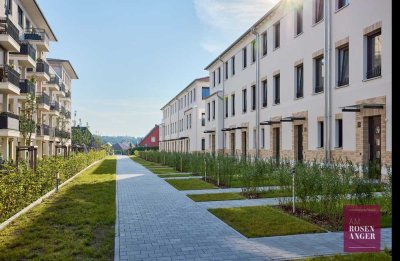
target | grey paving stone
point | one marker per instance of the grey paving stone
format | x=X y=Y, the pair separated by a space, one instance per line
x=157 y=222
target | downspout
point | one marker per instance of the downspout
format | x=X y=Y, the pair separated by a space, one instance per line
x=257 y=48
x=327 y=81
x=223 y=104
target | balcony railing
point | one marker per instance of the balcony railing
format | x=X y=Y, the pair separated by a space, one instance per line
x=8 y=74
x=7 y=27
x=62 y=87
x=27 y=86
x=54 y=79
x=9 y=121
x=27 y=49
x=54 y=106
x=42 y=67
x=343 y=81
x=36 y=34
x=42 y=130
x=63 y=110
x=68 y=115
x=43 y=98
x=68 y=94
x=374 y=72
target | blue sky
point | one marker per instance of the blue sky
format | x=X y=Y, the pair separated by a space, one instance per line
x=133 y=56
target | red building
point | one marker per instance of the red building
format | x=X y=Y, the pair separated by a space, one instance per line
x=151 y=140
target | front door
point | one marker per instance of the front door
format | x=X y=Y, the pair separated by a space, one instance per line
x=233 y=145
x=213 y=144
x=374 y=147
x=244 y=144
x=276 y=140
x=299 y=133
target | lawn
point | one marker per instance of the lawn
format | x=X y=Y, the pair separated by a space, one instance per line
x=77 y=223
x=263 y=221
x=154 y=167
x=215 y=197
x=350 y=257
x=189 y=184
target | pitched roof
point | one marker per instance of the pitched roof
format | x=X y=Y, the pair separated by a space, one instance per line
x=120 y=146
x=140 y=144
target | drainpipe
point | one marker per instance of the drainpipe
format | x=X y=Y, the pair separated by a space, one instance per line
x=223 y=104
x=327 y=80
x=253 y=30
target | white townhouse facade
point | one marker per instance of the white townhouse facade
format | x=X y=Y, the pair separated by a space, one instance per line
x=312 y=79
x=25 y=37
x=183 y=123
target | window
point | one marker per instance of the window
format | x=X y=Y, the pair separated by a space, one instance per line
x=299 y=18
x=319 y=74
x=9 y=7
x=219 y=75
x=262 y=138
x=27 y=23
x=190 y=121
x=20 y=17
x=194 y=95
x=203 y=119
x=343 y=66
x=342 y=3
x=226 y=70
x=318 y=10
x=187 y=122
x=226 y=107
x=264 y=43
x=253 y=51
x=253 y=97
x=264 y=93
x=233 y=104
x=254 y=138
x=299 y=81
x=213 y=78
x=339 y=133
x=277 y=89
x=244 y=57
x=233 y=65
x=213 y=110
x=203 y=144
x=208 y=111
x=320 y=134
x=277 y=35
x=205 y=92
x=244 y=101
x=374 y=49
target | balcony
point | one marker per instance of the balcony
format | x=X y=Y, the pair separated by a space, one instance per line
x=42 y=130
x=9 y=80
x=53 y=84
x=68 y=94
x=26 y=56
x=38 y=37
x=43 y=101
x=9 y=35
x=55 y=107
x=62 y=134
x=68 y=114
x=61 y=91
x=9 y=122
x=42 y=71
x=26 y=87
x=63 y=110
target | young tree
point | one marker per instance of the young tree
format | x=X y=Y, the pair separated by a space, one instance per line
x=26 y=119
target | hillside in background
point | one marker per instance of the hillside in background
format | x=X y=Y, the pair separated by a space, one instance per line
x=121 y=139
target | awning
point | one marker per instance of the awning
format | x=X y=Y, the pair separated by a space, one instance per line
x=292 y=118
x=359 y=107
x=269 y=122
x=239 y=128
x=209 y=131
x=228 y=129
x=180 y=138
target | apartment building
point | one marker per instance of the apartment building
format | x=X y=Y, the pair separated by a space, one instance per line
x=25 y=70
x=309 y=80
x=183 y=123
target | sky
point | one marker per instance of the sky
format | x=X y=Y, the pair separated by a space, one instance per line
x=133 y=56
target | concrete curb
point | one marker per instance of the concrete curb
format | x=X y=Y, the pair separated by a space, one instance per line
x=38 y=201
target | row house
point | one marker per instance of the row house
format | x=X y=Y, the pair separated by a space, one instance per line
x=183 y=123
x=312 y=79
x=26 y=71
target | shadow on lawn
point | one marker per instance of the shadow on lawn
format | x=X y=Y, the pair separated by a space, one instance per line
x=77 y=223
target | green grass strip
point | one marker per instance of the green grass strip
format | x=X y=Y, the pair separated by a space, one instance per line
x=190 y=184
x=77 y=223
x=215 y=197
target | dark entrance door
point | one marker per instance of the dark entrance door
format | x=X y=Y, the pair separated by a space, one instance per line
x=299 y=133
x=374 y=145
x=233 y=146
x=276 y=138
x=244 y=143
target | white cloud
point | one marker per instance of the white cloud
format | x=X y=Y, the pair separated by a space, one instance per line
x=226 y=19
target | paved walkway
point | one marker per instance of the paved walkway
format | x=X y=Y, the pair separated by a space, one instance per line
x=157 y=222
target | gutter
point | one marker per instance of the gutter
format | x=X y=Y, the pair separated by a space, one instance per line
x=223 y=103
x=257 y=90
x=327 y=81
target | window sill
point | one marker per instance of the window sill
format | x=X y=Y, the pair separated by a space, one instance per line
x=299 y=34
x=264 y=55
x=275 y=104
x=342 y=86
x=264 y=107
x=317 y=93
x=298 y=98
x=317 y=23
x=373 y=78
x=341 y=8
x=276 y=48
x=320 y=148
x=338 y=148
